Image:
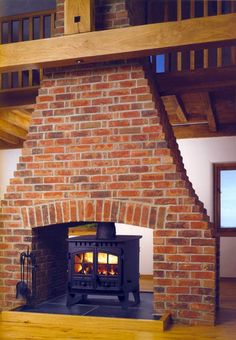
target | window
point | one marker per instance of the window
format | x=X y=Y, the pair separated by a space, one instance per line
x=225 y=198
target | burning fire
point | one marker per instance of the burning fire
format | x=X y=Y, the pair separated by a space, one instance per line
x=105 y=258
x=107 y=264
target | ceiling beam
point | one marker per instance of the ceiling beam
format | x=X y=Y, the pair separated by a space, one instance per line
x=202 y=130
x=196 y=81
x=12 y=117
x=175 y=104
x=5 y=137
x=206 y=102
x=12 y=129
x=24 y=97
x=128 y=42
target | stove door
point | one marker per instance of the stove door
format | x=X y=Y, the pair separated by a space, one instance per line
x=82 y=269
x=108 y=268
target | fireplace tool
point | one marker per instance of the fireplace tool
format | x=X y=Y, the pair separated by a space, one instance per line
x=25 y=288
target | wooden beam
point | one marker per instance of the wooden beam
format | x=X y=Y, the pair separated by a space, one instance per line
x=206 y=102
x=175 y=104
x=79 y=16
x=12 y=117
x=6 y=137
x=196 y=81
x=202 y=130
x=119 y=43
x=12 y=129
x=24 y=97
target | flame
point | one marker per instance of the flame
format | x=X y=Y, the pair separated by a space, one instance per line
x=88 y=257
x=107 y=264
x=107 y=270
x=104 y=258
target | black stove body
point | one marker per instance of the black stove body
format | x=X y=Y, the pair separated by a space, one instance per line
x=105 y=266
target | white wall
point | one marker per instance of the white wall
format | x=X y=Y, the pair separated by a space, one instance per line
x=199 y=154
x=146 y=245
x=8 y=162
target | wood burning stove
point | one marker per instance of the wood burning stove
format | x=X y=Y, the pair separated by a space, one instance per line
x=104 y=264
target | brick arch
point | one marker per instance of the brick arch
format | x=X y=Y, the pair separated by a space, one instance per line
x=128 y=212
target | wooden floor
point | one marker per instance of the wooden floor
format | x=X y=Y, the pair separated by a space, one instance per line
x=45 y=326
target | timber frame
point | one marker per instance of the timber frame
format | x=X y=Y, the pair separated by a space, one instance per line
x=115 y=44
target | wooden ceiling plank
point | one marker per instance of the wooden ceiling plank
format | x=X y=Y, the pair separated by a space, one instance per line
x=196 y=81
x=12 y=129
x=22 y=112
x=10 y=139
x=118 y=43
x=13 y=118
x=206 y=101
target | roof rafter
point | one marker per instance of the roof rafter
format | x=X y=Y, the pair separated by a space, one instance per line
x=12 y=117
x=12 y=129
x=206 y=100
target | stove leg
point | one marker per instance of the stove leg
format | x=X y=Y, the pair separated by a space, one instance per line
x=136 y=297
x=73 y=298
x=124 y=300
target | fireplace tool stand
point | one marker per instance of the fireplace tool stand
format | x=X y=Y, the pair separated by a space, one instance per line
x=26 y=287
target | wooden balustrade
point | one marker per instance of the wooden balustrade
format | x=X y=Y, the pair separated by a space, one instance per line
x=176 y=10
x=40 y=25
x=23 y=27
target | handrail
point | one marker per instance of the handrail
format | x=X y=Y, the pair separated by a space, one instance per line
x=26 y=15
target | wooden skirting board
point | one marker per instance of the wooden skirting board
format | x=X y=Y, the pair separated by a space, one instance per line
x=85 y=322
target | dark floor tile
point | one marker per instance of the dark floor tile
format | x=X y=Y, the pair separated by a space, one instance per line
x=130 y=313
x=97 y=305
x=59 y=309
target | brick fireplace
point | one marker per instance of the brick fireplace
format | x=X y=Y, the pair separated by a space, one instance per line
x=100 y=148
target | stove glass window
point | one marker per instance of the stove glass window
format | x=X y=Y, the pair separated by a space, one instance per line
x=83 y=263
x=107 y=264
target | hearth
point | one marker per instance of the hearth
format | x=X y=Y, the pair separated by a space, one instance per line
x=104 y=264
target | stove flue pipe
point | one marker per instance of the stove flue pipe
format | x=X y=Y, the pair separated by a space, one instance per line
x=106 y=231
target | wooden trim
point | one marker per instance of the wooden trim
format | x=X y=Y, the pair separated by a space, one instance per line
x=217 y=167
x=71 y=321
x=118 y=43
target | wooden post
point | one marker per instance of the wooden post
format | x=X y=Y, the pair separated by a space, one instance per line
x=179 y=17
x=219 y=49
x=233 y=48
x=20 y=35
x=192 y=52
x=166 y=17
x=79 y=16
x=205 y=51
